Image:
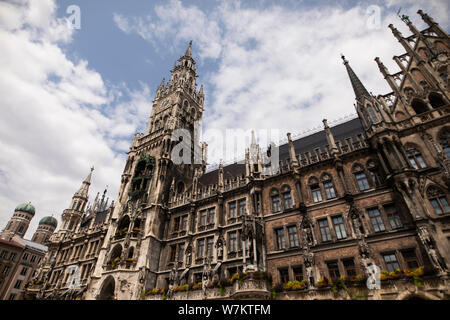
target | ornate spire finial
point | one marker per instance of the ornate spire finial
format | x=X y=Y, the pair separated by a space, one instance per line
x=357 y=85
x=189 y=50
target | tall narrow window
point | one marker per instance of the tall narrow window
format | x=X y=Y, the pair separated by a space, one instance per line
x=438 y=200
x=349 y=266
x=410 y=259
x=339 y=227
x=276 y=204
x=232 y=241
x=242 y=207
x=200 y=248
x=184 y=220
x=415 y=159
x=372 y=114
x=315 y=189
x=391 y=262
x=376 y=220
x=232 y=209
x=333 y=269
x=444 y=139
x=284 y=275
x=361 y=178
x=328 y=186
x=209 y=246
x=298 y=273
x=176 y=224
x=324 y=230
x=293 y=236
x=173 y=253
x=375 y=176
x=281 y=242
x=287 y=198
x=393 y=216
x=202 y=221
x=181 y=251
x=211 y=216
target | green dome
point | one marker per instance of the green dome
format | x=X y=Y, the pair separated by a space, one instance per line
x=26 y=207
x=50 y=221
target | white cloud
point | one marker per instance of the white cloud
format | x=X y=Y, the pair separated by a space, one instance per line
x=58 y=116
x=279 y=67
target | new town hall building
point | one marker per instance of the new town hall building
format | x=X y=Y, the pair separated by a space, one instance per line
x=370 y=192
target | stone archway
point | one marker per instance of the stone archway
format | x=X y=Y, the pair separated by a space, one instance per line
x=107 y=289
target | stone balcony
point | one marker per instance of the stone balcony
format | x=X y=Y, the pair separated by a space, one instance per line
x=239 y=290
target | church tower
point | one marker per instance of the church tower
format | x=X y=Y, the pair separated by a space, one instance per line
x=46 y=227
x=168 y=154
x=19 y=222
x=71 y=216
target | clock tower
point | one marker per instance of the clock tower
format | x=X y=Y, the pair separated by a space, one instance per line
x=130 y=255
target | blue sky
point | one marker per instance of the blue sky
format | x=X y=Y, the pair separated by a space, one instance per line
x=70 y=98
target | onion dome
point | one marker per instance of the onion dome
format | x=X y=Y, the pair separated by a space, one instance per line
x=50 y=221
x=26 y=207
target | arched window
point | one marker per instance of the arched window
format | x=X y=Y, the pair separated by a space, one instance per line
x=438 y=200
x=372 y=115
x=415 y=158
x=444 y=139
x=185 y=105
x=116 y=253
x=361 y=177
x=123 y=226
x=436 y=100
x=315 y=189
x=287 y=198
x=419 y=106
x=328 y=186
x=276 y=203
x=130 y=253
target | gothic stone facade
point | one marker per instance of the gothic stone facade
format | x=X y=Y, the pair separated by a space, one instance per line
x=371 y=191
x=65 y=271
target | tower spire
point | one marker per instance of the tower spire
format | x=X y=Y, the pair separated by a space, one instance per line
x=189 y=50
x=84 y=189
x=357 y=85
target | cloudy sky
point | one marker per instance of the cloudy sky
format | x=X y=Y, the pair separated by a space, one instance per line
x=73 y=97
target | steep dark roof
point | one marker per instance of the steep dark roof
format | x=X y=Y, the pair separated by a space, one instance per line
x=349 y=129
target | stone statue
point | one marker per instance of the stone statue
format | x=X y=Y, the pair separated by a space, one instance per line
x=188 y=256
x=308 y=258
x=206 y=276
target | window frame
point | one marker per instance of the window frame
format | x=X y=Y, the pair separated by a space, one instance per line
x=378 y=218
x=389 y=263
x=325 y=230
x=280 y=238
x=339 y=227
x=293 y=235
